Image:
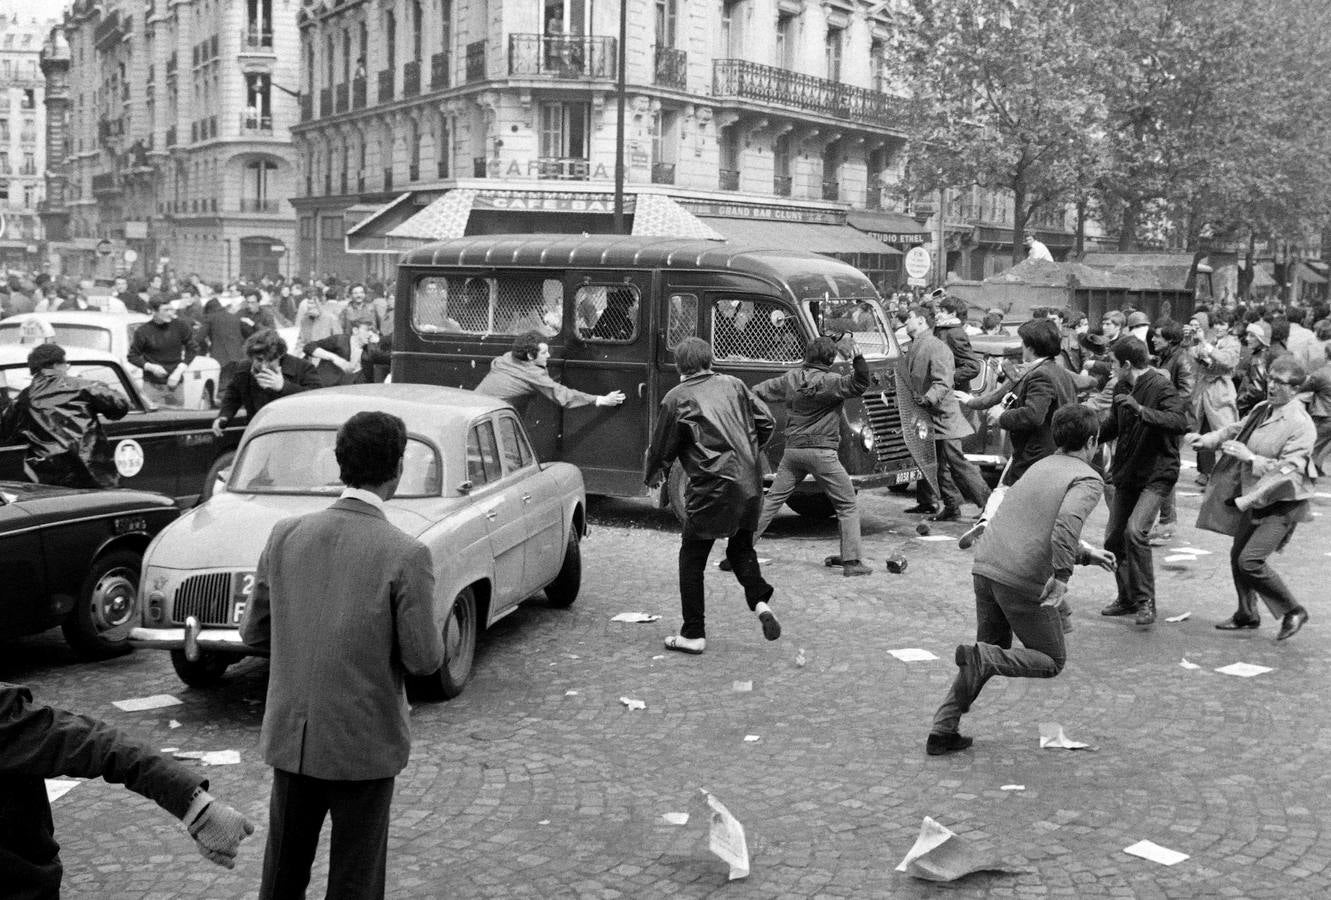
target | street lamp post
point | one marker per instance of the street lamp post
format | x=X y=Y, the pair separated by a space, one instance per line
x=619 y=119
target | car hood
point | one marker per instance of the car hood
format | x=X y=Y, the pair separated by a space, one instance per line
x=81 y=498
x=230 y=530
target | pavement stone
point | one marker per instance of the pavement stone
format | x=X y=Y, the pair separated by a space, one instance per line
x=520 y=789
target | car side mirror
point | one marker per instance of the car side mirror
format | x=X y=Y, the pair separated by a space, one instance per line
x=465 y=487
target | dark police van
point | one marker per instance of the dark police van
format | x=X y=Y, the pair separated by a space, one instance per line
x=613 y=308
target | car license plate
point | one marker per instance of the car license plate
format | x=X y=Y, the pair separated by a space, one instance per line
x=242 y=586
x=908 y=476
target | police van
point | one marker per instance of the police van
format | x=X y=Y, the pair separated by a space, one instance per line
x=613 y=308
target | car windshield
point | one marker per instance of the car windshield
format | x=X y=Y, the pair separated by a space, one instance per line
x=861 y=317
x=304 y=462
x=86 y=337
x=15 y=378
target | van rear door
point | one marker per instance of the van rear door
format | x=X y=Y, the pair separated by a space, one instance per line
x=609 y=347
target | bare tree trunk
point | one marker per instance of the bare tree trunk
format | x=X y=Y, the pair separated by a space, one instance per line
x=1127 y=232
x=1080 y=240
x=1019 y=216
x=1247 y=274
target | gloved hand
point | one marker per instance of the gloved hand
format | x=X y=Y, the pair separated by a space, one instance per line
x=218 y=830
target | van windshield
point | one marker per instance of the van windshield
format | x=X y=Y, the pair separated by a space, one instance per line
x=863 y=318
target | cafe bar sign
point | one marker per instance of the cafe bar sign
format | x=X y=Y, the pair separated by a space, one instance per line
x=727 y=209
x=549 y=201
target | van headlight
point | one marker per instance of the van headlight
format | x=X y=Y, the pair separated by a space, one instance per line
x=866 y=439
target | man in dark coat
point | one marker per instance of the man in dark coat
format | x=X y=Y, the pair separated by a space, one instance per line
x=1147 y=418
x=1175 y=361
x=340 y=357
x=56 y=414
x=950 y=327
x=272 y=373
x=163 y=347
x=714 y=427
x=222 y=335
x=43 y=742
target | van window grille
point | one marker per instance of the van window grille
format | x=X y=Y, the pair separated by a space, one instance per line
x=504 y=304
x=683 y=319
x=607 y=312
x=756 y=330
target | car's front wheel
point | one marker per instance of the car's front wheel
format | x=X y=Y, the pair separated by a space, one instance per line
x=107 y=608
x=564 y=589
x=203 y=672
x=459 y=632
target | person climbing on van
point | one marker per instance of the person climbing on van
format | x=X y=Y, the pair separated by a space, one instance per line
x=520 y=374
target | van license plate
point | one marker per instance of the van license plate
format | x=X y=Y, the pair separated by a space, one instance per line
x=908 y=476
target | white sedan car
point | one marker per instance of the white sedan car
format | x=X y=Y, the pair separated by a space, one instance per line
x=501 y=525
x=111 y=333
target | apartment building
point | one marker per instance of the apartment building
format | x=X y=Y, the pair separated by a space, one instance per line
x=177 y=144
x=22 y=139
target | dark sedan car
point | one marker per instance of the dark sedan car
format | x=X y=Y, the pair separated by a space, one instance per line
x=71 y=558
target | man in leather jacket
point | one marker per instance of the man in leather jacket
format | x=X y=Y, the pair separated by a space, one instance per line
x=57 y=416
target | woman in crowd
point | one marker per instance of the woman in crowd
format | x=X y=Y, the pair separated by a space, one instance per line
x=1214 y=398
x=1271 y=449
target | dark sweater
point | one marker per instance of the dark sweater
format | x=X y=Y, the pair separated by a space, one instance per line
x=1148 y=450
x=813 y=396
x=167 y=344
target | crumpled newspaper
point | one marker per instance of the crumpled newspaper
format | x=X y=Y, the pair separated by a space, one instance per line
x=939 y=854
x=1052 y=737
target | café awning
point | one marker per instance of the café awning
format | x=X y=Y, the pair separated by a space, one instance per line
x=818 y=238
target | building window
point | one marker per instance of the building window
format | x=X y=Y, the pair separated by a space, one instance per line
x=390 y=40
x=878 y=65
x=258 y=111
x=729 y=147
x=346 y=55
x=785 y=41
x=258 y=185
x=566 y=17
x=417 y=31
x=443 y=147
x=330 y=63
x=667 y=15
x=781 y=182
x=833 y=47
x=564 y=134
x=29 y=191
x=446 y=25
x=259 y=22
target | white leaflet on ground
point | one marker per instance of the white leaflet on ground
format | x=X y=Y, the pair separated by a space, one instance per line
x=1181 y=617
x=632 y=704
x=211 y=757
x=1155 y=853
x=1244 y=670
x=752 y=738
x=1189 y=665
x=173 y=724
x=139 y=704
x=1181 y=557
x=1192 y=551
x=1013 y=787
x=913 y=654
x=931 y=538
x=676 y=818
x=59 y=787
x=741 y=687
x=1052 y=737
x=635 y=617
x=726 y=839
x=570 y=693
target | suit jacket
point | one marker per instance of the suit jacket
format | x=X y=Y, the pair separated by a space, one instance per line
x=929 y=371
x=1039 y=394
x=243 y=391
x=344 y=603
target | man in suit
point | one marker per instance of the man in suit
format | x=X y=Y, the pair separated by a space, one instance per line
x=930 y=374
x=344 y=604
x=339 y=356
x=272 y=373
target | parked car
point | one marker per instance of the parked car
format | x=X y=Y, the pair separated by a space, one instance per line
x=71 y=558
x=171 y=451
x=109 y=333
x=501 y=525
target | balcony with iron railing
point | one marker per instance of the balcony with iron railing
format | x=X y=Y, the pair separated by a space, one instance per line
x=439 y=71
x=256 y=123
x=740 y=79
x=663 y=173
x=325 y=102
x=341 y=98
x=411 y=78
x=358 y=92
x=256 y=39
x=476 y=61
x=728 y=179
x=672 y=67
x=571 y=56
x=831 y=189
x=385 y=85
x=781 y=185
x=260 y=205
x=563 y=168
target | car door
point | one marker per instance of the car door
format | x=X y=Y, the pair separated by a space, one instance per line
x=23 y=601
x=542 y=505
x=500 y=503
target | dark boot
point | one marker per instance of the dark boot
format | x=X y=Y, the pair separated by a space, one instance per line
x=1118 y=608
x=1146 y=613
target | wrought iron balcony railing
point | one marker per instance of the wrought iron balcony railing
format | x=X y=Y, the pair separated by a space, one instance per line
x=563 y=168
x=572 y=56
x=744 y=80
x=358 y=93
x=411 y=78
x=781 y=185
x=663 y=173
x=831 y=189
x=256 y=205
x=256 y=123
x=671 y=67
x=476 y=61
x=728 y=180
x=439 y=71
x=253 y=38
x=385 y=85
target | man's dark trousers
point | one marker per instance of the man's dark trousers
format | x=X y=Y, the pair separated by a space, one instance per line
x=359 y=852
x=959 y=479
x=1132 y=513
x=693 y=553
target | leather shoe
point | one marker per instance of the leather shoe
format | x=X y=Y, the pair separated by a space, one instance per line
x=938 y=743
x=725 y=565
x=1292 y=623
x=852 y=567
x=972 y=534
x=831 y=561
x=1118 y=608
x=948 y=514
x=1234 y=623
x=921 y=509
x=1146 y=613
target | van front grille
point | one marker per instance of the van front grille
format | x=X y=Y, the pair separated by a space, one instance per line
x=889 y=445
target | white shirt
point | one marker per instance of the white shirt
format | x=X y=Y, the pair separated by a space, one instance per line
x=1038 y=250
x=364 y=496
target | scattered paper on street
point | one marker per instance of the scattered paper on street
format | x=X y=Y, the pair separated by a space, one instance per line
x=59 y=787
x=935 y=537
x=1189 y=665
x=659 y=656
x=139 y=704
x=1181 y=557
x=676 y=818
x=741 y=687
x=635 y=617
x=1052 y=737
x=1013 y=787
x=212 y=757
x=570 y=693
x=173 y=724
x=1192 y=551
x=1155 y=853
x=800 y=658
x=632 y=704
x=726 y=839
x=752 y=738
x=1181 y=617
x=913 y=654
x=1244 y=670
x=170 y=749
x=940 y=855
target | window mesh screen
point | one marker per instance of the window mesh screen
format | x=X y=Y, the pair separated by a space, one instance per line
x=755 y=330
x=683 y=321
x=489 y=305
x=606 y=312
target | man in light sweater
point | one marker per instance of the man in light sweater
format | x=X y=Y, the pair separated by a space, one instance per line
x=1022 y=565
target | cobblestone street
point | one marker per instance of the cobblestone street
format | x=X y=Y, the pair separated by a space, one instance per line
x=539 y=782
